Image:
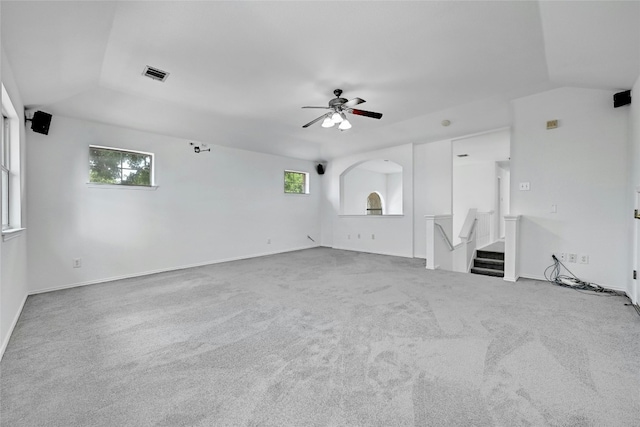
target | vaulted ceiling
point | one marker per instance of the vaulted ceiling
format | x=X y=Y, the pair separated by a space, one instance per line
x=240 y=71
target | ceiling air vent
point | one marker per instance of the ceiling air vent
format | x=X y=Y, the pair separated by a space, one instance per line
x=155 y=73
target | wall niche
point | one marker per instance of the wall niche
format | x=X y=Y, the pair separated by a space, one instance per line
x=372 y=187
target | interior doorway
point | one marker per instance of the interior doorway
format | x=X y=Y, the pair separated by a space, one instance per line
x=503 y=188
x=481 y=180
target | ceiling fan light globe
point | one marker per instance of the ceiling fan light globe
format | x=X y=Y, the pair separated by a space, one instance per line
x=345 y=125
x=336 y=118
x=327 y=123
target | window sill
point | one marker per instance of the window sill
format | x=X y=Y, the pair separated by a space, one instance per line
x=122 y=187
x=372 y=216
x=11 y=233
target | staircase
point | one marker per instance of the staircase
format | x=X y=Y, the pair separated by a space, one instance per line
x=488 y=263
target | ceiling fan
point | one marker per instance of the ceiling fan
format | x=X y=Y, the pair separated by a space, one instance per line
x=338 y=106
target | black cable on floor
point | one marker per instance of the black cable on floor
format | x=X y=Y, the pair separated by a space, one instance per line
x=634 y=306
x=552 y=274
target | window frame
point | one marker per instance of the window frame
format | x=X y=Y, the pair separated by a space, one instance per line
x=306 y=182
x=11 y=165
x=152 y=167
x=5 y=165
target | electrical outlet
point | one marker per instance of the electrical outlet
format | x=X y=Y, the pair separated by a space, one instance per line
x=562 y=257
x=583 y=259
x=77 y=262
x=573 y=257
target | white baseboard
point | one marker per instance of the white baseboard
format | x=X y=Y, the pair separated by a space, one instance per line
x=14 y=322
x=165 y=270
x=613 y=288
x=370 y=252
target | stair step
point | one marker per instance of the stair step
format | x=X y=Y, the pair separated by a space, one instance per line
x=490 y=255
x=487 y=272
x=493 y=264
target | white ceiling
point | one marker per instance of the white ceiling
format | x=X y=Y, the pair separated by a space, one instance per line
x=380 y=166
x=240 y=71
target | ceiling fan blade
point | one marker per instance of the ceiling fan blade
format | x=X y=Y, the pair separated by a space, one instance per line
x=353 y=102
x=324 y=108
x=365 y=113
x=316 y=120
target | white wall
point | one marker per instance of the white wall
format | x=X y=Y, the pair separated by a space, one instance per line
x=633 y=288
x=393 y=234
x=357 y=185
x=209 y=207
x=582 y=168
x=432 y=187
x=394 y=194
x=13 y=253
x=474 y=186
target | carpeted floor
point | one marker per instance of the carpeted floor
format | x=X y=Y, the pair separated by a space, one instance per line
x=322 y=337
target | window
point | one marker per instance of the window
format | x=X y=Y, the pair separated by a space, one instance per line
x=120 y=167
x=6 y=171
x=10 y=165
x=374 y=204
x=296 y=182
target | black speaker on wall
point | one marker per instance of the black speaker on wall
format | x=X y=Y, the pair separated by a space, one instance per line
x=622 y=98
x=40 y=122
x=320 y=169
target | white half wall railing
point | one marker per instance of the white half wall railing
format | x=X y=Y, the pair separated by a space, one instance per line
x=441 y=253
x=466 y=249
x=511 y=244
x=439 y=247
x=485 y=229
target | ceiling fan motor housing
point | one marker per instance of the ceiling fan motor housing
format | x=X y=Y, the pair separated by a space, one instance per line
x=336 y=102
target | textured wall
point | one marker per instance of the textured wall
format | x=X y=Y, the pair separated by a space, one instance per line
x=208 y=207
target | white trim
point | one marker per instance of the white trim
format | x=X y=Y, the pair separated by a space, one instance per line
x=121 y=186
x=11 y=233
x=165 y=270
x=5 y=343
x=439 y=216
x=296 y=194
x=372 y=216
x=128 y=150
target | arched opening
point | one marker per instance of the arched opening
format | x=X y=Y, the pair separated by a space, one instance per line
x=374 y=204
x=360 y=181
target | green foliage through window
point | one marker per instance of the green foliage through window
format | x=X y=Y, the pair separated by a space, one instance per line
x=111 y=166
x=295 y=182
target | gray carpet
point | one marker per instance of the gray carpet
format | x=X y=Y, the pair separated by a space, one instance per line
x=322 y=337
